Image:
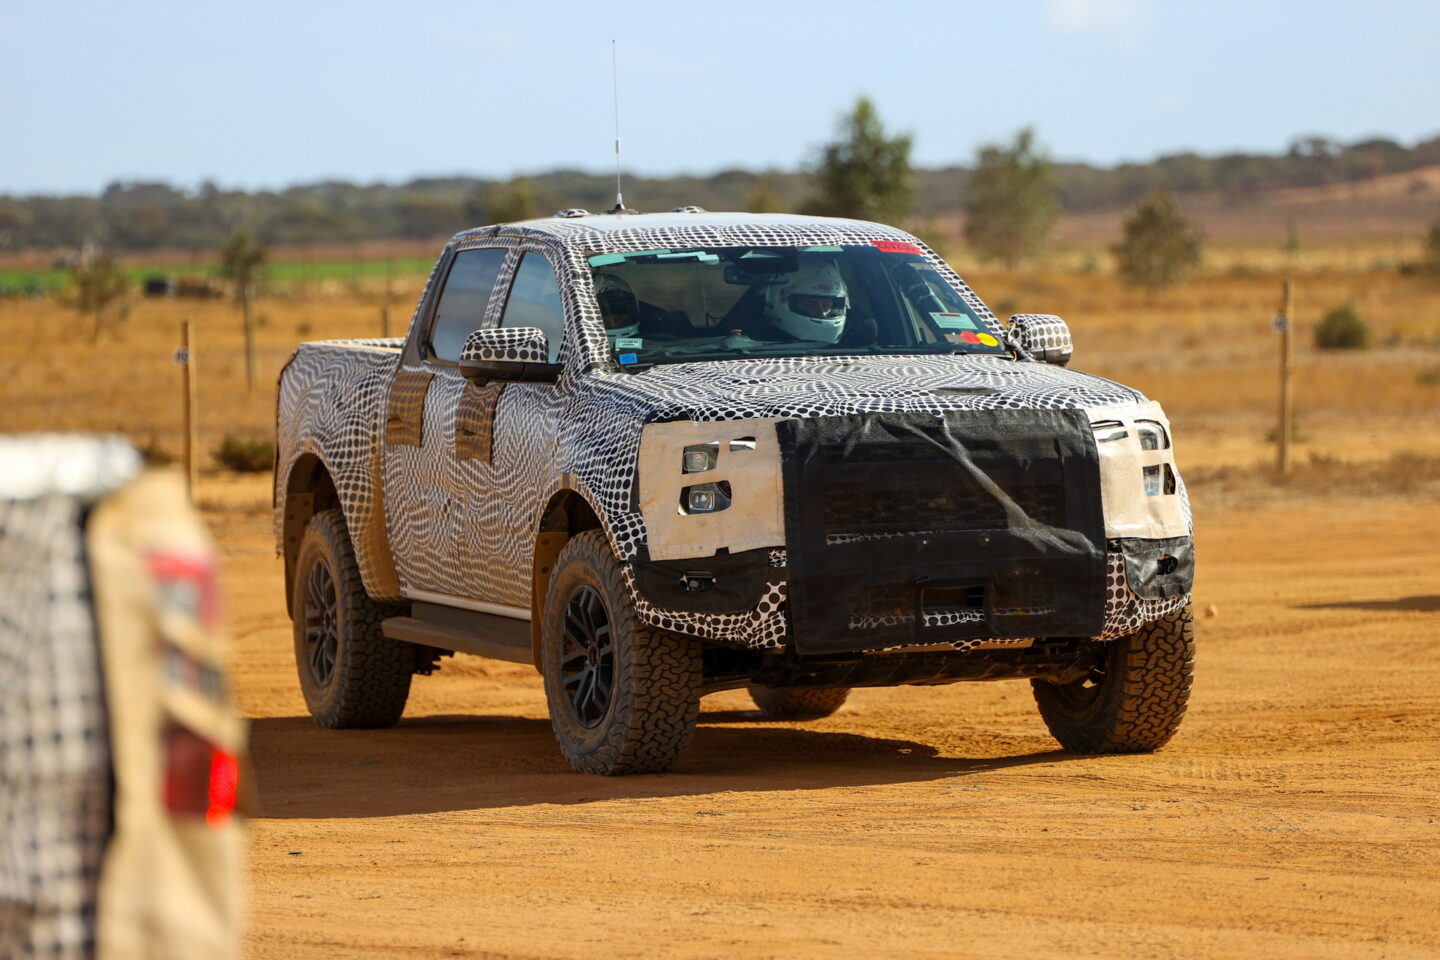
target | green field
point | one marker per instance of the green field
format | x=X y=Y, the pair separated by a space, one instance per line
x=36 y=281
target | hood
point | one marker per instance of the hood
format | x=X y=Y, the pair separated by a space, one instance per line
x=828 y=386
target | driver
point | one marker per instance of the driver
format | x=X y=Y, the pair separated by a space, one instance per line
x=809 y=306
x=619 y=307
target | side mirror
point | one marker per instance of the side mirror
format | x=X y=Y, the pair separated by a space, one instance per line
x=508 y=353
x=1043 y=336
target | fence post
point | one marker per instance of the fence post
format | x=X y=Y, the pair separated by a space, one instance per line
x=187 y=342
x=1286 y=322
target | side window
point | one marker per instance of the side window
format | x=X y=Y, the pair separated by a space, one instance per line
x=461 y=310
x=535 y=301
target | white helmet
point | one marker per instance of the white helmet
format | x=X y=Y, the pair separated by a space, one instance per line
x=811 y=304
x=619 y=308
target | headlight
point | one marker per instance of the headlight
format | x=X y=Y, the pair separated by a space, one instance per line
x=1152 y=435
x=700 y=457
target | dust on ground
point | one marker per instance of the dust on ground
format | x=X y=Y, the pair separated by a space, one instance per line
x=1293 y=816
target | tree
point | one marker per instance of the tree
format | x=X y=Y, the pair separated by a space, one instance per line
x=242 y=261
x=14 y=218
x=505 y=203
x=1012 y=205
x=864 y=174
x=1160 y=246
x=101 y=293
x=762 y=198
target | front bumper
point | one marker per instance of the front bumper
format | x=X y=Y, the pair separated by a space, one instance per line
x=904 y=529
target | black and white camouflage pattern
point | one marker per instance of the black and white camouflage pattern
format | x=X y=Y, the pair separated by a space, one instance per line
x=1043 y=336
x=519 y=345
x=467 y=527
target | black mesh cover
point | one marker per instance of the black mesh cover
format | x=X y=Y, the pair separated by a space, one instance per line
x=924 y=528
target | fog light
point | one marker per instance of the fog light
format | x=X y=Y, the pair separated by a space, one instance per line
x=1152 y=481
x=705 y=498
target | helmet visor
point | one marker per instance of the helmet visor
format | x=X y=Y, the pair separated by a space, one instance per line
x=617 y=307
x=816 y=306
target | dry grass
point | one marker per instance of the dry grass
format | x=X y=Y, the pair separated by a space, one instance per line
x=1204 y=350
x=1403 y=476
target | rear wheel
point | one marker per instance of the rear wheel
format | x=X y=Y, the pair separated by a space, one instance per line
x=623 y=699
x=798 y=703
x=351 y=674
x=1133 y=699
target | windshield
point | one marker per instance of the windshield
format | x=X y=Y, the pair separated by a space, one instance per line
x=722 y=303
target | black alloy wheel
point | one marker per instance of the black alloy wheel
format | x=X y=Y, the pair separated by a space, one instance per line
x=351 y=674
x=623 y=698
x=1082 y=694
x=587 y=658
x=322 y=634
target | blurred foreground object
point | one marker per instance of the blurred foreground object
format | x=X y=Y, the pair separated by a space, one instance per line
x=119 y=746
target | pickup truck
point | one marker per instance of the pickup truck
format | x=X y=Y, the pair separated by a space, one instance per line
x=661 y=455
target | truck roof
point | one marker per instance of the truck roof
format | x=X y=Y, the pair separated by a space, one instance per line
x=572 y=229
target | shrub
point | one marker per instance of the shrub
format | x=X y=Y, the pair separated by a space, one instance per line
x=1342 y=329
x=245 y=454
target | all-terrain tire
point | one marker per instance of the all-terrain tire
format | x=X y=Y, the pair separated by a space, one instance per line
x=1134 y=700
x=351 y=674
x=798 y=703
x=623 y=698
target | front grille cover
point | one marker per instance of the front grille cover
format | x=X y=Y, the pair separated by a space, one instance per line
x=922 y=528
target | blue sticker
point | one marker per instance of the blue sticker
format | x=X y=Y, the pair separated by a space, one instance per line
x=626 y=358
x=953 y=321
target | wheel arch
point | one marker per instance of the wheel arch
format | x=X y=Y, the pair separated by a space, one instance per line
x=309 y=489
x=567 y=513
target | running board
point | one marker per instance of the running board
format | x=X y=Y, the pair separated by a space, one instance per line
x=463 y=631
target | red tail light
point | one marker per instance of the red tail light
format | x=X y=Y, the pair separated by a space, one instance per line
x=200 y=778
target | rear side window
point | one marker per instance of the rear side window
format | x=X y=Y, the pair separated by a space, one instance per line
x=535 y=301
x=461 y=310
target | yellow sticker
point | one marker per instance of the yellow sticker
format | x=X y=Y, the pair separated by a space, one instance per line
x=988 y=340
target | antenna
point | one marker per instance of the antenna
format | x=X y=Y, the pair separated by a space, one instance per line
x=615 y=85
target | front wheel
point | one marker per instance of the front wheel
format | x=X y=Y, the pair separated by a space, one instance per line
x=623 y=699
x=1134 y=698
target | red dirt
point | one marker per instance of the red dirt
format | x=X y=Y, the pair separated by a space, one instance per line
x=1293 y=816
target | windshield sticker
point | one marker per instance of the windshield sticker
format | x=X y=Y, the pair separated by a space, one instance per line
x=626 y=358
x=822 y=249
x=894 y=246
x=969 y=337
x=988 y=340
x=629 y=343
x=952 y=321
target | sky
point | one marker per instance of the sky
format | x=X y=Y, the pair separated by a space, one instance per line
x=265 y=94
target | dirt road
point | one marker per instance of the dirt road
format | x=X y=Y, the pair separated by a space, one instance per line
x=1295 y=815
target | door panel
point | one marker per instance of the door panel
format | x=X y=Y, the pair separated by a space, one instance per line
x=425 y=501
